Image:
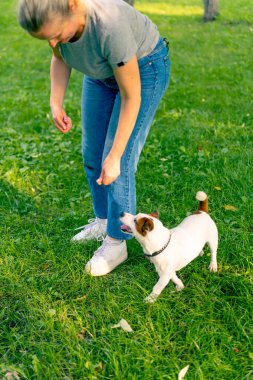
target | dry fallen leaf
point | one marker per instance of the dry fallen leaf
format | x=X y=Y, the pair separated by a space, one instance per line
x=230 y=208
x=51 y=312
x=45 y=266
x=124 y=325
x=12 y=376
x=84 y=334
x=183 y=372
x=217 y=188
x=80 y=299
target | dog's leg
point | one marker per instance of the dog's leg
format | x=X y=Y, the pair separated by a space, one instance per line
x=179 y=284
x=213 y=244
x=158 y=288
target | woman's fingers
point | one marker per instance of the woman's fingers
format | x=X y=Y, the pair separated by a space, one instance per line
x=62 y=122
x=110 y=171
x=106 y=179
x=99 y=181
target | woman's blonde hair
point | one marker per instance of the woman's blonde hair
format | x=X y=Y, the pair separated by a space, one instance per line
x=33 y=14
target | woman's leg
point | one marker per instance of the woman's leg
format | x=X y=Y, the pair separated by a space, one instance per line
x=154 y=73
x=97 y=105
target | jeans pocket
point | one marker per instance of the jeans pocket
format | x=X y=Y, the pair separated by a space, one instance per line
x=144 y=62
x=153 y=55
x=148 y=75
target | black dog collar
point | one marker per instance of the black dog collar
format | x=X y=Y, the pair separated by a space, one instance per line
x=156 y=253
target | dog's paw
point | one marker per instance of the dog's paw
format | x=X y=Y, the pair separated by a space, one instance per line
x=179 y=287
x=213 y=267
x=151 y=298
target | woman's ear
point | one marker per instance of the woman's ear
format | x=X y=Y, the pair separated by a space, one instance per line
x=73 y=5
x=155 y=214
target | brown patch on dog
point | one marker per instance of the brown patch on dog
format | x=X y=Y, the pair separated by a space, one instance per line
x=143 y=225
x=203 y=206
x=155 y=214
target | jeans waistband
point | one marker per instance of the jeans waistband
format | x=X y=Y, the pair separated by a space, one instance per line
x=162 y=42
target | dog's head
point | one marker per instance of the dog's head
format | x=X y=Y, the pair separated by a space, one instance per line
x=141 y=226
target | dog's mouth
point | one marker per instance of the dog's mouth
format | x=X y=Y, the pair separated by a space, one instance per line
x=126 y=229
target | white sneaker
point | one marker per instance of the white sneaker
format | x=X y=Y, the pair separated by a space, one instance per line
x=107 y=257
x=96 y=229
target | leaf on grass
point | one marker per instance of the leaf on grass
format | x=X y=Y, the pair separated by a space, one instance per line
x=230 y=208
x=124 y=325
x=45 y=266
x=51 y=312
x=81 y=299
x=217 y=188
x=36 y=364
x=12 y=376
x=84 y=334
x=182 y=148
x=183 y=372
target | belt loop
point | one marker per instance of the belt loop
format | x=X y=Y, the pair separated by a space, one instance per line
x=167 y=44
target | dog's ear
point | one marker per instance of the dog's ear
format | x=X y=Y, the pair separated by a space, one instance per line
x=155 y=214
x=143 y=225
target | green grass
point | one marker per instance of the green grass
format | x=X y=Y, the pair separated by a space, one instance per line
x=201 y=139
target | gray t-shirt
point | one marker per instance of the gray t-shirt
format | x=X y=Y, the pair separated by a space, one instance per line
x=114 y=32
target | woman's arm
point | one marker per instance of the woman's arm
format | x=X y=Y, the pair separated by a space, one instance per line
x=128 y=79
x=59 y=74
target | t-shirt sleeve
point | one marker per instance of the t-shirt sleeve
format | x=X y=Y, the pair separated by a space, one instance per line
x=119 y=44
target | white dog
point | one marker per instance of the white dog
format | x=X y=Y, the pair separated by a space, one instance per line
x=171 y=250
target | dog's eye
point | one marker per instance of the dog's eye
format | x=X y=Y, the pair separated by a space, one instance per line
x=134 y=220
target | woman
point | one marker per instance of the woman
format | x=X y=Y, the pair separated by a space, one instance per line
x=126 y=67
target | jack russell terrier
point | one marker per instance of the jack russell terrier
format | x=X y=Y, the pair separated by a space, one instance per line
x=171 y=250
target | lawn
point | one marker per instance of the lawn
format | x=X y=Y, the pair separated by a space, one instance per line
x=55 y=321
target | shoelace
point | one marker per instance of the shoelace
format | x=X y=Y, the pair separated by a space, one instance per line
x=90 y=221
x=89 y=225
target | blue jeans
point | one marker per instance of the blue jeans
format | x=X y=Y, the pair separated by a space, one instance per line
x=100 y=115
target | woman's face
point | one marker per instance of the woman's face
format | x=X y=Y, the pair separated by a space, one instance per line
x=61 y=30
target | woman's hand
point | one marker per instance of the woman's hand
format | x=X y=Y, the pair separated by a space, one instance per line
x=61 y=120
x=110 y=170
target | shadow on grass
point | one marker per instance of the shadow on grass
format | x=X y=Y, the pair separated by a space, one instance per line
x=14 y=202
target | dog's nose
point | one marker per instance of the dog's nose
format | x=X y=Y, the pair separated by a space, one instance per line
x=122 y=214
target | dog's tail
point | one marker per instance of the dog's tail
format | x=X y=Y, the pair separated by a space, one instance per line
x=203 y=201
